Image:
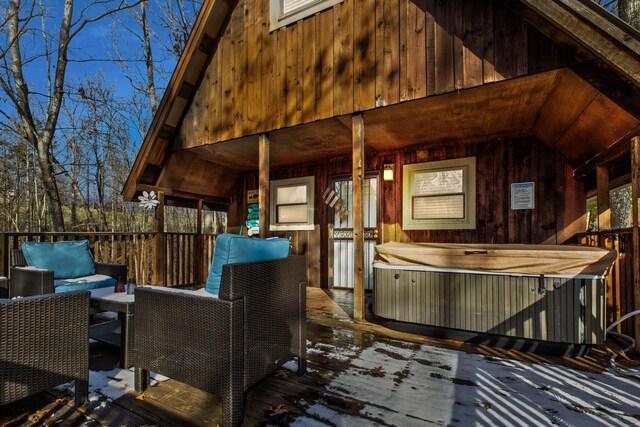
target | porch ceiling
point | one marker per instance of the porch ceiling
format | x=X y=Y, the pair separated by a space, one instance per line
x=562 y=109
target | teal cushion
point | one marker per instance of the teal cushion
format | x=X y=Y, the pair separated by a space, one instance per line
x=67 y=260
x=233 y=249
x=83 y=283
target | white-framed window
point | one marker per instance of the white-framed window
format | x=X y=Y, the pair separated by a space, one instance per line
x=285 y=12
x=439 y=195
x=291 y=204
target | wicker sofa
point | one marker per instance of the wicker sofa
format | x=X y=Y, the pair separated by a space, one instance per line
x=225 y=345
x=44 y=342
x=25 y=282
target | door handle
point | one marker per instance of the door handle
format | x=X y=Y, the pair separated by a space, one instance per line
x=375 y=233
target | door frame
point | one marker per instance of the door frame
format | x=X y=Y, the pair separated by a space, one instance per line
x=331 y=218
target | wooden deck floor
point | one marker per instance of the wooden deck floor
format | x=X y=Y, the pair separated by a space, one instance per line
x=334 y=344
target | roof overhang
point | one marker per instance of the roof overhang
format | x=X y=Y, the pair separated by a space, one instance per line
x=588 y=30
x=559 y=107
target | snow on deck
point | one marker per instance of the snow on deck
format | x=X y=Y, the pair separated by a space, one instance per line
x=392 y=383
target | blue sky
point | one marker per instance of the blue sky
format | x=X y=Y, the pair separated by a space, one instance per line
x=91 y=52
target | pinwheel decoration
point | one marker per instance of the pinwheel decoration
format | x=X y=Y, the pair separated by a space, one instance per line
x=148 y=200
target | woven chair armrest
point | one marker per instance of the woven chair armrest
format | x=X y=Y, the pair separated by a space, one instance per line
x=70 y=308
x=16 y=258
x=117 y=271
x=25 y=282
x=4 y=287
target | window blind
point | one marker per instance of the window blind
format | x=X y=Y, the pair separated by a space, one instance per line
x=292 y=214
x=439 y=207
x=289 y=6
x=291 y=195
x=438 y=182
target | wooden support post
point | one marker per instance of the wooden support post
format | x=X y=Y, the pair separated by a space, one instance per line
x=159 y=275
x=198 y=250
x=635 y=207
x=358 y=217
x=604 y=208
x=263 y=186
x=4 y=255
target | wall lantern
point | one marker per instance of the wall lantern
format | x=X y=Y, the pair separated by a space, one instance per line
x=387 y=174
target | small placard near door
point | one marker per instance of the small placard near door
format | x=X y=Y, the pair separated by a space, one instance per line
x=522 y=195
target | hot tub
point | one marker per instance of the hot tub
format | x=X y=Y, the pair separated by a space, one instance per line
x=548 y=298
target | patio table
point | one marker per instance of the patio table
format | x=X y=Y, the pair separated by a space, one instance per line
x=118 y=332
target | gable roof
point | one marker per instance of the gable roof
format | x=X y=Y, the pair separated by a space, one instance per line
x=582 y=25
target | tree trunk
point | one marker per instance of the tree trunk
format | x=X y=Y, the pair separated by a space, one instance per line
x=148 y=57
x=629 y=11
x=41 y=141
x=50 y=187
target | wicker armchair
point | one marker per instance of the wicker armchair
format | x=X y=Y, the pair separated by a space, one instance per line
x=44 y=342
x=225 y=345
x=25 y=282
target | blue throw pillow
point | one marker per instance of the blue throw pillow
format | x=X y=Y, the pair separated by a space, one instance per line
x=67 y=260
x=233 y=249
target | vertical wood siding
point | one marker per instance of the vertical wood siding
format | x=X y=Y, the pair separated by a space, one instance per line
x=559 y=212
x=355 y=56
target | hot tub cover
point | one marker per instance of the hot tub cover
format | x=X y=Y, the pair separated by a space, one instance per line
x=507 y=258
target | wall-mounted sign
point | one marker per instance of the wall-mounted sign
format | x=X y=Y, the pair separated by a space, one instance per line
x=333 y=200
x=252 y=196
x=522 y=195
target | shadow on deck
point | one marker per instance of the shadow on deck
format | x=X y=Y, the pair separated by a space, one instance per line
x=365 y=374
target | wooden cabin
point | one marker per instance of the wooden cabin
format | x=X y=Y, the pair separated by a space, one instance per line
x=327 y=107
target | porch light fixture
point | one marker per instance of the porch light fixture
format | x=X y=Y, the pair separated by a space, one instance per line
x=387 y=173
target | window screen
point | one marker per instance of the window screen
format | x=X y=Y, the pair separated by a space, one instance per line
x=292 y=203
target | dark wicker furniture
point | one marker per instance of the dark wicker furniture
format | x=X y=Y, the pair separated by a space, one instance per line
x=118 y=332
x=225 y=345
x=26 y=282
x=4 y=287
x=43 y=343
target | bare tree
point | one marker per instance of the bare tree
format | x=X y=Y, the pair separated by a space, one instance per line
x=176 y=17
x=627 y=10
x=40 y=131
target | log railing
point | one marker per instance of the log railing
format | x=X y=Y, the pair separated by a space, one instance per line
x=134 y=249
x=620 y=281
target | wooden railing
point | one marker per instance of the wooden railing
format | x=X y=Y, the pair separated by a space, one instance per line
x=187 y=255
x=620 y=281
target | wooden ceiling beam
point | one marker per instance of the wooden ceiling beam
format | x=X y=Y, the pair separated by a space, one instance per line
x=207 y=44
x=177 y=194
x=615 y=152
x=167 y=132
x=193 y=204
x=187 y=91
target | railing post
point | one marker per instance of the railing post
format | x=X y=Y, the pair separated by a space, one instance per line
x=604 y=207
x=198 y=252
x=4 y=255
x=635 y=208
x=159 y=245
